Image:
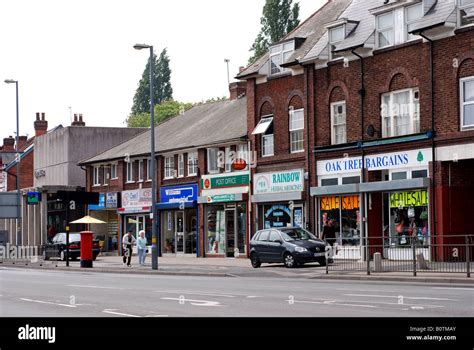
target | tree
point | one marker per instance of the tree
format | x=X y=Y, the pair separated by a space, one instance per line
x=163 y=111
x=278 y=19
x=162 y=84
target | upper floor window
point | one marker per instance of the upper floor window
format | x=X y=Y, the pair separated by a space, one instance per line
x=148 y=170
x=338 y=123
x=412 y=14
x=278 y=55
x=243 y=153
x=181 y=165
x=336 y=35
x=96 y=176
x=296 y=130
x=467 y=102
x=212 y=160
x=140 y=170
x=228 y=159
x=192 y=164
x=265 y=128
x=466 y=12
x=169 y=167
x=385 y=30
x=129 y=166
x=401 y=113
x=113 y=171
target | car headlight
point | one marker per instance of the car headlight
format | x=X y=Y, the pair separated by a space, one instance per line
x=301 y=249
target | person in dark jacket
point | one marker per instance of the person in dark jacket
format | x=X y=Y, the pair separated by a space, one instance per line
x=329 y=233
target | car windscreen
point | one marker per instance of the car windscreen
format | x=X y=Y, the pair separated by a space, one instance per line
x=296 y=234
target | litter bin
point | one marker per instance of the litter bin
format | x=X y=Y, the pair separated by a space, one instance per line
x=86 y=249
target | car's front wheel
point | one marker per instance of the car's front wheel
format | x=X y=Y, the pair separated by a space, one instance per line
x=289 y=261
x=255 y=261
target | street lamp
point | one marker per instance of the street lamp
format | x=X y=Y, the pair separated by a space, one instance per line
x=17 y=159
x=154 y=239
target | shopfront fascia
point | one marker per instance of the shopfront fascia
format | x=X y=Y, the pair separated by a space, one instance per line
x=279 y=199
x=178 y=215
x=106 y=211
x=226 y=213
x=396 y=208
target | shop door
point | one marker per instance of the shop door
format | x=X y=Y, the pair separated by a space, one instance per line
x=179 y=234
x=230 y=232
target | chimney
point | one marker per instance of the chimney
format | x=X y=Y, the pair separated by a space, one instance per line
x=8 y=144
x=241 y=69
x=41 y=125
x=78 y=120
x=237 y=90
x=22 y=142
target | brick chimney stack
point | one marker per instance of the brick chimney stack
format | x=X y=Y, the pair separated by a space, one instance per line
x=78 y=120
x=22 y=142
x=237 y=90
x=8 y=144
x=41 y=125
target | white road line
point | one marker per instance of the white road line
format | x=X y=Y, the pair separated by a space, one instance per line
x=334 y=302
x=195 y=302
x=455 y=288
x=398 y=296
x=96 y=287
x=196 y=293
x=156 y=316
x=47 y=302
x=112 y=312
x=327 y=301
x=253 y=297
x=366 y=290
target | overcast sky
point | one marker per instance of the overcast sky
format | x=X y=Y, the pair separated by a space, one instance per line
x=80 y=54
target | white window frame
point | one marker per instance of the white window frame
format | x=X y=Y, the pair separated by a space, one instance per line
x=104 y=175
x=408 y=36
x=113 y=171
x=280 y=51
x=381 y=30
x=129 y=171
x=96 y=176
x=148 y=170
x=332 y=56
x=181 y=165
x=216 y=169
x=462 y=81
x=334 y=105
x=242 y=151
x=414 y=111
x=169 y=167
x=192 y=163
x=461 y=8
x=140 y=170
x=298 y=130
x=228 y=159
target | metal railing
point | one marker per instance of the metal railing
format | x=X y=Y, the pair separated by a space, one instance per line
x=441 y=254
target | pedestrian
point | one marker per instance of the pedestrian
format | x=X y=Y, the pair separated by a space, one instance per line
x=127 y=243
x=329 y=235
x=141 y=247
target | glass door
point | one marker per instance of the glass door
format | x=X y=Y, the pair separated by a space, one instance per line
x=179 y=234
x=230 y=226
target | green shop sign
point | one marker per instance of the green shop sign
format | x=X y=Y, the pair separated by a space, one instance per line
x=221 y=198
x=225 y=181
x=409 y=199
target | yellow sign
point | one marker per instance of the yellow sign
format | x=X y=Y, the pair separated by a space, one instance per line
x=348 y=203
x=409 y=199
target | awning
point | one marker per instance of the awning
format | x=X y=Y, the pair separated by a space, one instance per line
x=175 y=205
x=263 y=126
x=277 y=197
x=334 y=190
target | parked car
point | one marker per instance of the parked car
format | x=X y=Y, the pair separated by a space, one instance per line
x=291 y=246
x=56 y=249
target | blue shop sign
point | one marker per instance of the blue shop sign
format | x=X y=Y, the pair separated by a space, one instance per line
x=179 y=194
x=101 y=205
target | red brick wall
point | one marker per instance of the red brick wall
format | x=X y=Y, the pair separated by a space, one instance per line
x=26 y=173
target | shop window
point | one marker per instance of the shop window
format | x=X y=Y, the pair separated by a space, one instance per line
x=277 y=216
x=329 y=182
x=418 y=174
x=181 y=165
x=169 y=167
x=215 y=230
x=192 y=164
x=466 y=12
x=129 y=169
x=467 y=102
x=351 y=180
x=401 y=113
x=402 y=175
x=338 y=123
x=241 y=227
x=212 y=160
x=296 y=130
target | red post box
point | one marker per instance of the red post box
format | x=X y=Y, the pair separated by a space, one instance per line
x=86 y=249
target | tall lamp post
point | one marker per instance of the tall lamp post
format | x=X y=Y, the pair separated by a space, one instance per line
x=154 y=243
x=17 y=159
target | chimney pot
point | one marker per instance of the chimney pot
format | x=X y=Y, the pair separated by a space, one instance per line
x=80 y=118
x=37 y=116
x=43 y=116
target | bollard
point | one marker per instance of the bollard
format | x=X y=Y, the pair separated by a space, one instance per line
x=378 y=262
x=414 y=256
x=468 y=256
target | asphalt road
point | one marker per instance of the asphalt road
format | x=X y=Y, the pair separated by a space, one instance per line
x=34 y=293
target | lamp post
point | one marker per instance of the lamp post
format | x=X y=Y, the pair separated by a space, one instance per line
x=154 y=243
x=17 y=159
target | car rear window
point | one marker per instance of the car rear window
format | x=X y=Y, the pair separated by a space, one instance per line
x=263 y=236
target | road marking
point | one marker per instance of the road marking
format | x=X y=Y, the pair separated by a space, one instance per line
x=196 y=293
x=327 y=301
x=156 y=316
x=112 y=312
x=195 y=302
x=96 y=287
x=253 y=297
x=454 y=288
x=398 y=296
x=47 y=302
x=366 y=290
x=334 y=302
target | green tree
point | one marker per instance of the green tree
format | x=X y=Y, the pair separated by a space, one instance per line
x=278 y=19
x=162 y=84
x=163 y=111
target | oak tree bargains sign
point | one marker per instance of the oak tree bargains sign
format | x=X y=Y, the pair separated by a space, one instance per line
x=285 y=181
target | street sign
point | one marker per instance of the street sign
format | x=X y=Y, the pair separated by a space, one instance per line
x=33 y=198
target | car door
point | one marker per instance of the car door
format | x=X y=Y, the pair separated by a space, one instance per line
x=275 y=246
x=261 y=245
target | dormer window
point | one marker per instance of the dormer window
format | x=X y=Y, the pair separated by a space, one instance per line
x=466 y=12
x=336 y=35
x=280 y=54
x=412 y=14
x=385 y=30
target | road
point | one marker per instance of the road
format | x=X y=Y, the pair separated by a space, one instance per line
x=34 y=293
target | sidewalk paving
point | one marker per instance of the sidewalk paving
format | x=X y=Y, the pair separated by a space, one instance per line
x=221 y=267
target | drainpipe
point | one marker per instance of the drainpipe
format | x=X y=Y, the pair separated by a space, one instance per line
x=433 y=149
x=363 y=232
x=308 y=187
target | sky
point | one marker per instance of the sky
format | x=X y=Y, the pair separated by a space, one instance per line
x=77 y=57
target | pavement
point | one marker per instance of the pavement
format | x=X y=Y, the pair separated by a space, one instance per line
x=231 y=267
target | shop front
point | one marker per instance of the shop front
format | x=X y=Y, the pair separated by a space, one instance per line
x=106 y=210
x=391 y=209
x=225 y=201
x=279 y=199
x=178 y=213
x=135 y=213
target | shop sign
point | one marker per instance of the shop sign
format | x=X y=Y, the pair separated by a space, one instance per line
x=3 y=181
x=112 y=200
x=179 y=194
x=101 y=205
x=221 y=198
x=398 y=160
x=332 y=203
x=137 y=198
x=409 y=199
x=225 y=181
x=285 y=181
